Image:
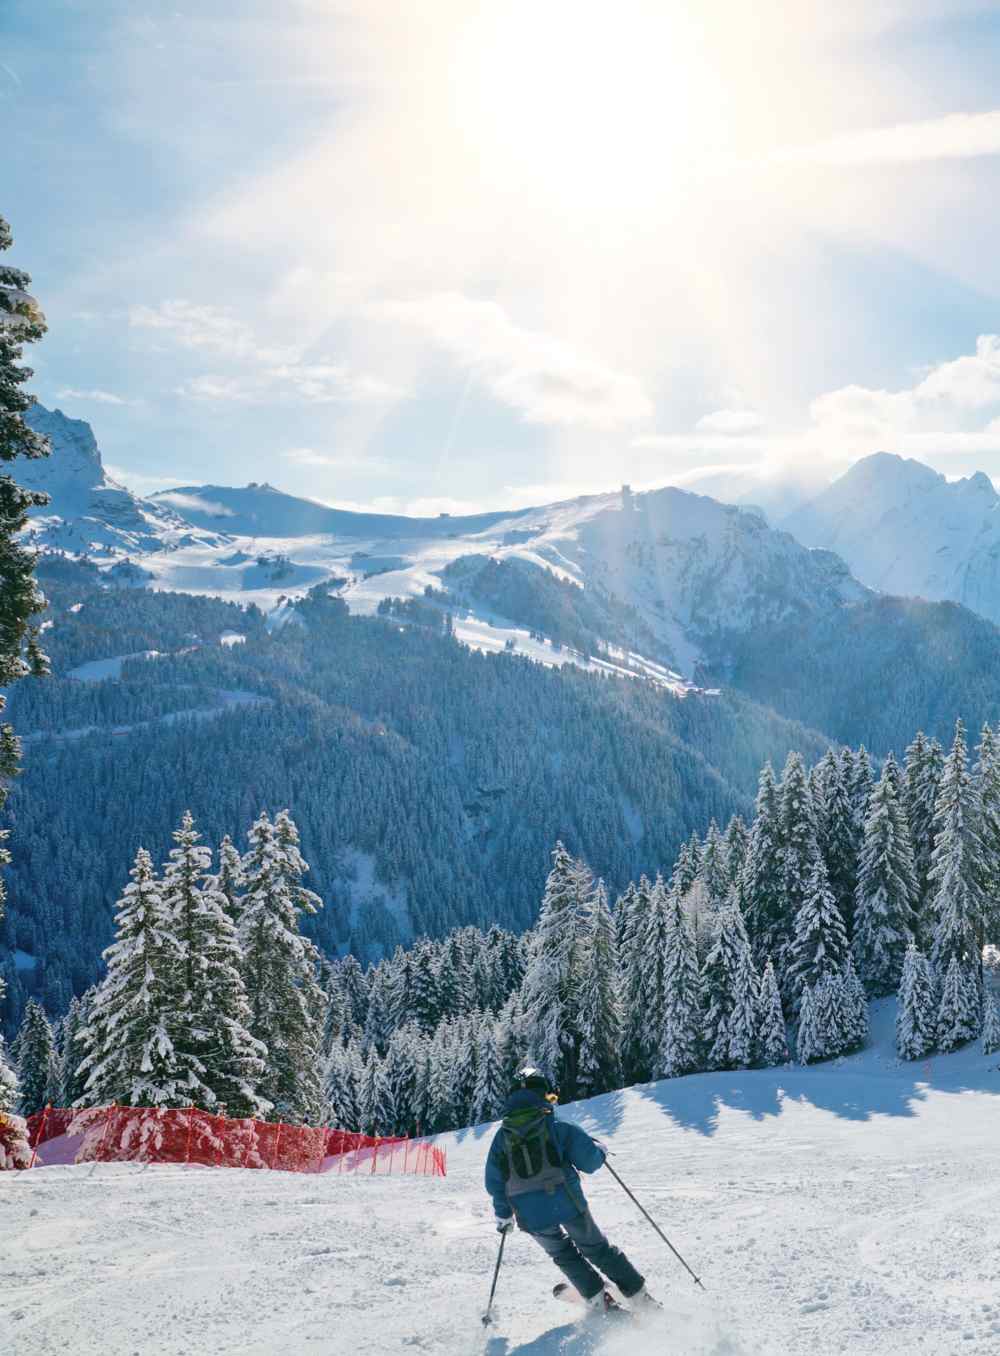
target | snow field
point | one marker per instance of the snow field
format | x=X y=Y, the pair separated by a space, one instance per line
x=845 y=1208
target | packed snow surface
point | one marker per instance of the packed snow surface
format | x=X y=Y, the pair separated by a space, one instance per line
x=846 y=1208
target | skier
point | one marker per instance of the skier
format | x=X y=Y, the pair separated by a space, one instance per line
x=532 y=1175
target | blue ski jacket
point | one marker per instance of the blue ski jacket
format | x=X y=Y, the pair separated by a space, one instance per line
x=539 y=1209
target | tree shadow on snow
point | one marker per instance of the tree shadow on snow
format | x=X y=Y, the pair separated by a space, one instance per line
x=855 y=1089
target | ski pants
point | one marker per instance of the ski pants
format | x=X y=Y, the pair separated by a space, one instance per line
x=578 y=1246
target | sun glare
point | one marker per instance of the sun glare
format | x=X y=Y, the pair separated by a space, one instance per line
x=603 y=105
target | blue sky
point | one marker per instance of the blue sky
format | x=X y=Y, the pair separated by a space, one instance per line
x=471 y=254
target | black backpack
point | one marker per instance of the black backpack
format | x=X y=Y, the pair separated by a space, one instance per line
x=531 y=1161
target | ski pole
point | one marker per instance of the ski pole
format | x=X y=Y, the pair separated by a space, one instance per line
x=653 y=1222
x=496 y=1273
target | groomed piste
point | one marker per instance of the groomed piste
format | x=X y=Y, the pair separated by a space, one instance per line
x=850 y=1207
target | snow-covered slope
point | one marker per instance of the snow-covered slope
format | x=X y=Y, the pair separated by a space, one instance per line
x=88 y=511
x=845 y=1208
x=904 y=529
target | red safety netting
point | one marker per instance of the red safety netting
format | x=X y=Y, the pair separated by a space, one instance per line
x=126 y=1134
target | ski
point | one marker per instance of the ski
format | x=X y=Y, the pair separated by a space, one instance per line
x=564 y=1291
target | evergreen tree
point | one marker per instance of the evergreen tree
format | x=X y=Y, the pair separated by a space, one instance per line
x=772 y=1036
x=959 y=1013
x=685 y=871
x=885 y=916
x=921 y=782
x=401 y=1061
x=70 y=1083
x=713 y=870
x=839 y=837
x=464 y=1073
x=134 y=1038
x=378 y=1114
x=651 y=993
x=810 y=1038
x=213 y=1011
x=550 y=990
x=354 y=987
x=991 y=1025
x=987 y=786
x=425 y=1006
x=229 y=881
x=398 y=988
x=761 y=890
x=742 y=1026
x=15 y=1152
x=491 y=1083
x=600 y=1019
x=726 y=981
x=832 y=1020
x=21 y=322
x=378 y=1024
x=916 y=1011
x=819 y=944
x=855 y=1006
x=340 y=1089
x=679 y=1050
x=860 y=784
x=286 y=1001
x=737 y=841
x=34 y=1052
x=802 y=870
x=957 y=866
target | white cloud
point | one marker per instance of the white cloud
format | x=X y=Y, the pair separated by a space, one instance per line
x=100 y=397
x=194 y=503
x=206 y=328
x=730 y=421
x=954 y=136
x=334 y=461
x=546 y=379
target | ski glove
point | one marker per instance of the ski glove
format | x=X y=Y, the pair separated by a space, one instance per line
x=504 y=1226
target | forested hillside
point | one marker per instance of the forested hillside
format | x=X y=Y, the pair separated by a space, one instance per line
x=429 y=781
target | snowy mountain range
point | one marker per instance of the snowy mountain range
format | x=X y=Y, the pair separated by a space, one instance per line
x=905 y=529
x=662 y=576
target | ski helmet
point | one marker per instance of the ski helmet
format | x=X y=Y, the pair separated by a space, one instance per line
x=528 y=1076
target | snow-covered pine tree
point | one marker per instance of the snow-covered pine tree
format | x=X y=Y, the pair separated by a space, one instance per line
x=550 y=991
x=713 y=870
x=34 y=1051
x=685 y=871
x=991 y=1025
x=354 y=987
x=425 y=1003
x=810 y=1038
x=860 y=784
x=401 y=1061
x=465 y=1072
x=959 y=1010
x=71 y=1085
x=21 y=322
x=916 y=1010
x=625 y=922
x=760 y=888
x=885 y=918
x=648 y=1017
x=280 y=969
x=631 y=967
x=679 y=1050
x=742 y=1027
x=335 y=1025
x=441 y=1083
x=340 y=1089
x=379 y=1024
x=491 y=1082
x=133 y=1042
x=819 y=944
x=987 y=783
x=772 y=1035
x=378 y=1114
x=802 y=868
x=213 y=1009
x=736 y=840
x=452 y=986
x=838 y=836
x=598 y=1066
x=724 y=982
x=958 y=867
x=229 y=879
x=832 y=1020
x=855 y=1006
x=921 y=782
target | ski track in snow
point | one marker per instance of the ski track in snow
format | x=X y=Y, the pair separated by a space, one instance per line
x=850 y=1208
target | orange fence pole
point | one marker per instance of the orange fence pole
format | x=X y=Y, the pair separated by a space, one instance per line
x=277 y=1141
x=187 y=1152
x=375 y=1157
x=107 y=1126
x=41 y=1132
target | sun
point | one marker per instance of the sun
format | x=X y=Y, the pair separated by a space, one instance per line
x=603 y=106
